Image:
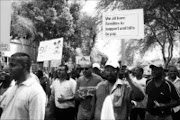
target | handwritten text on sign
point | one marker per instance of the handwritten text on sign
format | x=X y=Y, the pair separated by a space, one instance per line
x=50 y=50
x=123 y=24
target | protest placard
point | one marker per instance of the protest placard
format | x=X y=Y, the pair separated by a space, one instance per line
x=82 y=60
x=50 y=50
x=124 y=24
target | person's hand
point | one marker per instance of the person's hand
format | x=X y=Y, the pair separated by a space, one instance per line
x=61 y=99
x=81 y=94
x=128 y=76
x=83 y=97
x=133 y=103
x=159 y=105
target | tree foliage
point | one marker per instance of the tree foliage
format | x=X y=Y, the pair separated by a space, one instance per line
x=49 y=19
x=21 y=27
x=162 y=22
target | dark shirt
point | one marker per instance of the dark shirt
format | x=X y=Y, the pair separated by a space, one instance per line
x=163 y=94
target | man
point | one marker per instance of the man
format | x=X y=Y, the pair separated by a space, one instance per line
x=75 y=73
x=173 y=76
x=5 y=82
x=122 y=71
x=121 y=92
x=96 y=69
x=85 y=90
x=139 y=107
x=26 y=99
x=44 y=81
x=40 y=75
x=162 y=95
x=63 y=89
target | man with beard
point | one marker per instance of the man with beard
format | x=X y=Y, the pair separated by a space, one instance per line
x=26 y=99
x=121 y=92
x=63 y=89
x=173 y=76
x=86 y=85
x=162 y=95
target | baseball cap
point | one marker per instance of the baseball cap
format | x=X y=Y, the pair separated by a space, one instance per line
x=96 y=65
x=112 y=63
x=157 y=64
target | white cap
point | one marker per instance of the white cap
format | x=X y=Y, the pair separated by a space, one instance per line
x=156 y=64
x=112 y=63
x=96 y=65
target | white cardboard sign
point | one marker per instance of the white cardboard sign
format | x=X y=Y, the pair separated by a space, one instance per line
x=50 y=50
x=124 y=24
x=82 y=59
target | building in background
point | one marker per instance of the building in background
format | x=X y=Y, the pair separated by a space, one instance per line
x=21 y=45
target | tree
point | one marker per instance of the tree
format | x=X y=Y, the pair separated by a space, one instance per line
x=21 y=27
x=88 y=29
x=161 y=20
x=51 y=18
x=56 y=18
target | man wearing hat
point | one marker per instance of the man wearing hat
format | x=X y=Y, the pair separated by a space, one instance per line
x=85 y=90
x=162 y=95
x=96 y=69
x=120 y=91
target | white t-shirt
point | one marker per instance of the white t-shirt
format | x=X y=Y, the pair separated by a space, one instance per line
x=64 y=89
x=142 y=83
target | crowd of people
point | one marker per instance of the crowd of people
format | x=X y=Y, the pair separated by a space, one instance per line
x=88 y=92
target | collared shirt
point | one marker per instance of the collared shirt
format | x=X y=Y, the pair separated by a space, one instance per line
x=24 y=102
x=33 y=75
x=177 y=84
x=65 y=89
x=121 y=112
x=13 y=82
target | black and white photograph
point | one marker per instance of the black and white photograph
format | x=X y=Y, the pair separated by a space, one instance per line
x=89 y=60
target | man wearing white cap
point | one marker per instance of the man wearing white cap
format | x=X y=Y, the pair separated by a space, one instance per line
x=162 y=95
x=96 y=69
x=120 y=92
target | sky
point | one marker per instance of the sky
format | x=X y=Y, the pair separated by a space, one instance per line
x=89 y=7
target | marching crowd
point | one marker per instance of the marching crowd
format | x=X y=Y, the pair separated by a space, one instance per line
x=88 y=92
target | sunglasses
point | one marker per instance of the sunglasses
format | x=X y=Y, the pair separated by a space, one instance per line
x=84 y=68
